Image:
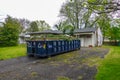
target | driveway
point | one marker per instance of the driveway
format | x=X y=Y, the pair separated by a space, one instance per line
x=75 y=65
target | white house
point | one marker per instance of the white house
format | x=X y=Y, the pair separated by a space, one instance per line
x=90 y=37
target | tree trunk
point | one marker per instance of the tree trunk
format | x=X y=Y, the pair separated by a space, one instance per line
x=77 y=14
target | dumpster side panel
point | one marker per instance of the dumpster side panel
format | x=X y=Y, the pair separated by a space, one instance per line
x=50 y=46
x=55 y=50
x=41 y=48
x=63 y=46
x=59 y=47
x=33 y=47
x=66 y=46
x=29 y=48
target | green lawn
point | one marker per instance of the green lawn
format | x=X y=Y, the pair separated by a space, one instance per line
x=109 y=69
x=12 y=52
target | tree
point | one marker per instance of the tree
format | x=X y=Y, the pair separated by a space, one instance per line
x=10 y=32
x=33 y=27
x=104 y=24
x=72 y=12
x=114 y=34
x=60 y=25
x=108 y=6
x=79 y=13
x=68 y=29
x=38 y=26
x=25 y=24
x=1 y=29
x=42 y=25
x=86 y=12
x=89 y=13
x=65 y=27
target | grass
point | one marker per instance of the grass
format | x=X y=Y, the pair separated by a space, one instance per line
x=92 y=61
x=66 y=58
x=12 y=52
x=109 y=68
x=63 y=78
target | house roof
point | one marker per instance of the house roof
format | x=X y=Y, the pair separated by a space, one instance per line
x=85 y=30
x=46 y=32
x=24 y=35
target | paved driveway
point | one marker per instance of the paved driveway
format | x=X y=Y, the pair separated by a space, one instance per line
x=76 y=65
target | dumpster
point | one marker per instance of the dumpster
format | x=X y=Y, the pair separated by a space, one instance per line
x=48 y=48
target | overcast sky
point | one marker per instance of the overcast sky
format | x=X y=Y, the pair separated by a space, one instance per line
x=47 y=10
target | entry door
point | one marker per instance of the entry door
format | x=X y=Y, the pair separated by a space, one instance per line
x=82 y=42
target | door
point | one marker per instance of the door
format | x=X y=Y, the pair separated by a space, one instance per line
x=82 y=42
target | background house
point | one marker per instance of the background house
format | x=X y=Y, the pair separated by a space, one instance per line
x=89 y=37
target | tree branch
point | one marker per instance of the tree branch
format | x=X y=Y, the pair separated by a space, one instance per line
x=110 y=6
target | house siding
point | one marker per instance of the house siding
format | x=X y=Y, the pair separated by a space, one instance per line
x=100 y=37
x=93 y=39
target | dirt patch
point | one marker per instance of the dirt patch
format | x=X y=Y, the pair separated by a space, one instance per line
x=72 y=65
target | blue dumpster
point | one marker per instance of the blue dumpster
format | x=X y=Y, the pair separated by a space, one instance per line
x=48 y=48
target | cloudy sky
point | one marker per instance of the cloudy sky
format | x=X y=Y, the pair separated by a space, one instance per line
x=47 y=10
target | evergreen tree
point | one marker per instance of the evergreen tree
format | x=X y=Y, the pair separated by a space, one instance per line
x=10 y=32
